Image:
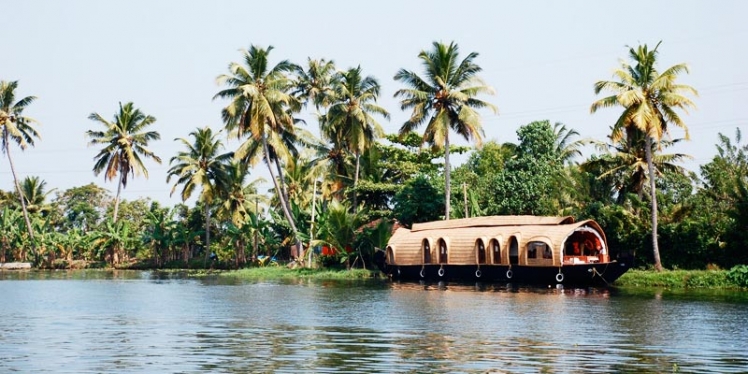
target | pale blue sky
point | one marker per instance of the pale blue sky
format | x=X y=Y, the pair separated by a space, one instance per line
x=541 y=57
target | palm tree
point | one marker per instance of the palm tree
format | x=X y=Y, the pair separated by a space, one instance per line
x=350 y=119
x=201 y=166
x=261 y=108
x=35 y=194
x=315 y=84
x=240 y=198
x=18 y=128
x=446 y=100
x=624 y=164
x=125 y=141
x=565 y=147
x=649 y=99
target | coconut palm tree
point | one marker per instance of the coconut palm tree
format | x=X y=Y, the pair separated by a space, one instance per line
x=34 y=191
x=241 y=198
x=17 y=128
x=125 y=141
x=350 y=118
x=445 y=99
x=649 y=100
x=624 y=164
x=202 y=166
x=261 y=108
x=315 y=84
x=566 y=148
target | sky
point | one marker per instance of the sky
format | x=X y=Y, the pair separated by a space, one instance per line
x=541 y=57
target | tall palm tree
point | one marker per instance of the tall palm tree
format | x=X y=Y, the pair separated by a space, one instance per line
x=17 y=128
x=649 y=100
x=125 y=141
x=202 y=166
x=315 y=84
x=350 y=119
x=445 y=99
x=261 y=108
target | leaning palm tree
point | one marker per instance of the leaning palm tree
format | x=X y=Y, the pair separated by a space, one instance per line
x=125 y=141
x=260 y=109
x=445 y=99
x=17 y=128
x=350 y=118
x=649 y=100
x=202 y=166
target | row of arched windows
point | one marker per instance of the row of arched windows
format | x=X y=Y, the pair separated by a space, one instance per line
x=494 y=251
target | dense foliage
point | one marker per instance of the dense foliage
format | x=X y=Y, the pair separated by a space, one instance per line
x=336 y=199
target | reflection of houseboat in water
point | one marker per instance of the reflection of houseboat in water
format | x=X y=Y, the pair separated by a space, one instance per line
x=523 y=249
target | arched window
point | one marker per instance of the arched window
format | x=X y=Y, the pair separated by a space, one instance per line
x=481 y=249
x=513 y=251
x=495 y=251
x=538 y=249
x=390 y=256
x=442 y=251
x=426 y=251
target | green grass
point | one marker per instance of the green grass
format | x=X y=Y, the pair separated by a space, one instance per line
x=711 y=279
x=280 y=272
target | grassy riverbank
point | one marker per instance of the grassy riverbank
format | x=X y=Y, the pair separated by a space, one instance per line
x=707 y=279
x=280 y=272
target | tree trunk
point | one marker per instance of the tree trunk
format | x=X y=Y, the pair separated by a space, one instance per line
x=116 y=199
x=284 y=206
x=207 y=233
x=465 y=199
x=447 y=189
x=282 y=179
x=355 y=183
x=650 y=166
x=23 y=200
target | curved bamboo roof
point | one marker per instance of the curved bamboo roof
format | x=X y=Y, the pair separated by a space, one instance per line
x=492 y=221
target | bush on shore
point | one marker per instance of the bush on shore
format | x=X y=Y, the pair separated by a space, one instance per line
x=737 y=277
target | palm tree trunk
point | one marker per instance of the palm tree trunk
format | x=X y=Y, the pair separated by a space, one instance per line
x=116 y=199
x=355 y=182
x=650 y=166
x=284 y=205
x=207 y=233
x=284 y=190
x=447 y=189
x=21 y=197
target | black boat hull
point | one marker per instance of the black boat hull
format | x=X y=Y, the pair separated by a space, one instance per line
x=597 y=274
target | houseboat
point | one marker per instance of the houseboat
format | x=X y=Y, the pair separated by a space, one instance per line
x=521 y=249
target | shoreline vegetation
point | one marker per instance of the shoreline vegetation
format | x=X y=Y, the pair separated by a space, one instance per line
x=716 y=279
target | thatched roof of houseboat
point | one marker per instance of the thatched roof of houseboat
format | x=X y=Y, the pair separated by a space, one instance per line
x=492 y=221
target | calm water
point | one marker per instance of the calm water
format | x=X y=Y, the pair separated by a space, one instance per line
x=145 y=322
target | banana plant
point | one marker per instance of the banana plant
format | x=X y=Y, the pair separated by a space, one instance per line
x=112 y=241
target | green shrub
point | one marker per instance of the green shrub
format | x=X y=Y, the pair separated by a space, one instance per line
x=738 y=276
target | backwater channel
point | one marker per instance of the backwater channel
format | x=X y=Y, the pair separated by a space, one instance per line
x=152 y=322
